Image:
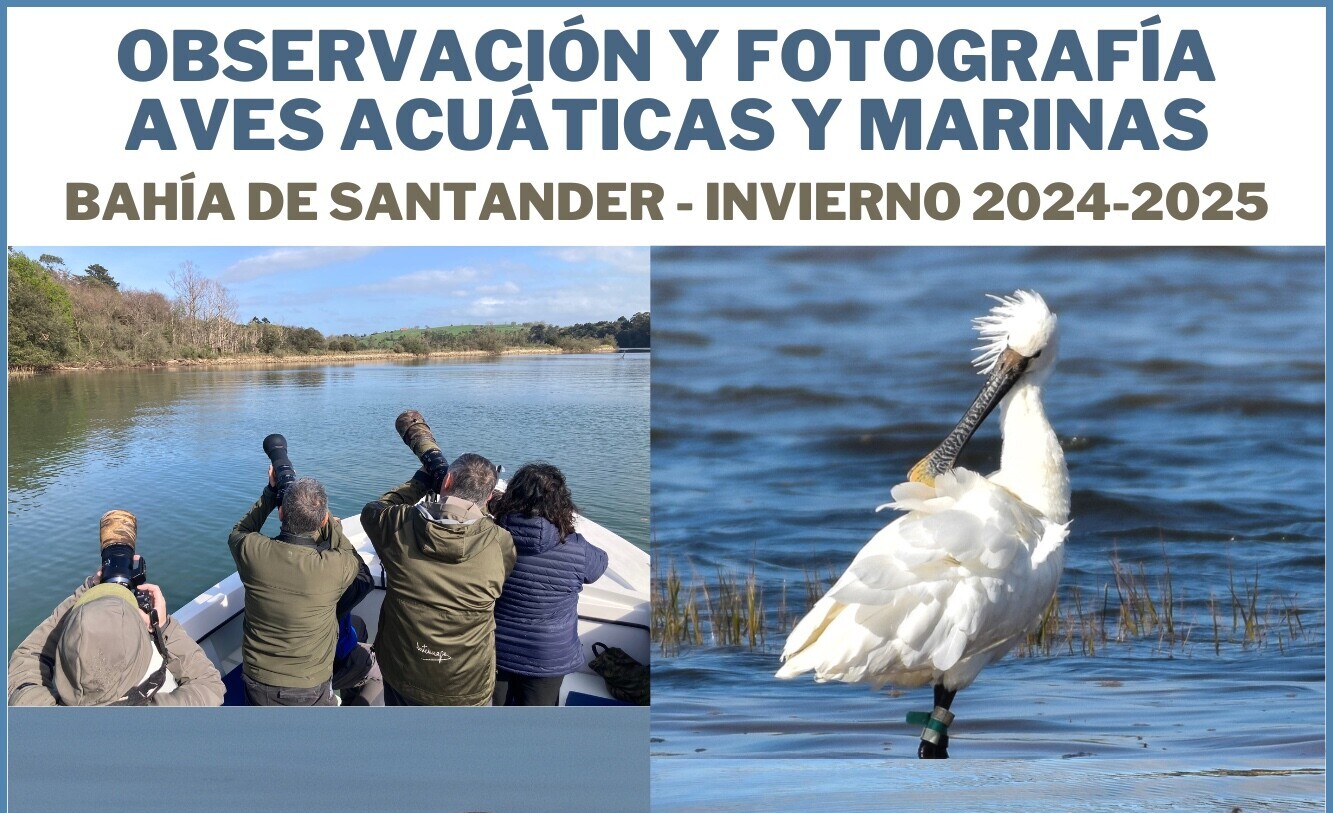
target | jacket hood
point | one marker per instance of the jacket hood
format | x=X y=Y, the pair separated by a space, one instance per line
x=532 y=535
x=448 y=532
x=104 y=649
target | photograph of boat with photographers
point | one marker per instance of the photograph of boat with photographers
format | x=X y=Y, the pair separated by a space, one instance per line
x=328 y=476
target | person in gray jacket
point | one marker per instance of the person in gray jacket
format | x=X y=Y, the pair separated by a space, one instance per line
x=96 y=649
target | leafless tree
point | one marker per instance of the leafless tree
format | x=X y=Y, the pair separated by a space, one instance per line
x=191 y=288
x=219 y=314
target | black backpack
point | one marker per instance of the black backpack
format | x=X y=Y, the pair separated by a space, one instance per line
x=626 y=678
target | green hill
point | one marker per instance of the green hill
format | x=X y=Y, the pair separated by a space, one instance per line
x=386 y=339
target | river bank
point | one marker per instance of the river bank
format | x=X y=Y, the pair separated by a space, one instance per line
x=263 y=360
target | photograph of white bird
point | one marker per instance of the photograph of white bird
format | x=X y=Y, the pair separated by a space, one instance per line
x=966 y=573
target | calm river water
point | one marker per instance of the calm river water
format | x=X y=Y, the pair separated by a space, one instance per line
x=181 y=449
x=793 y=387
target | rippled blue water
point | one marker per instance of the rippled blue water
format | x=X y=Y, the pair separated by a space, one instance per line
x=181 y=449
x=792 y=388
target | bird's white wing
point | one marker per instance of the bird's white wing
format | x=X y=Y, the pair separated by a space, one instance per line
x=953 y=577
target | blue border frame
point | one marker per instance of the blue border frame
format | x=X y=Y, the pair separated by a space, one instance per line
x=4 y=122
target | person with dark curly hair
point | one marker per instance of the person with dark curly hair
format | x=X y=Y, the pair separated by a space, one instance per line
x=536 y=617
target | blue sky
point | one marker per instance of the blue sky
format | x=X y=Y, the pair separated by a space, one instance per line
x=363 y=290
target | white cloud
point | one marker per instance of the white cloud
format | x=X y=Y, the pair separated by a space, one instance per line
x=431 y=281
x=487 y=306
x=506 y=287
x=621 y=258
x=559 y=307
x=283 y=260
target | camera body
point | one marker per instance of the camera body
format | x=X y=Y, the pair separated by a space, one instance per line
x=119 y=566
x=275 y=446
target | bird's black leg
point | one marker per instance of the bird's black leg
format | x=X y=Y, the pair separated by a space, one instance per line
x=940 y=748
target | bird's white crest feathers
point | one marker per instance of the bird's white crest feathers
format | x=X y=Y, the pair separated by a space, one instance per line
x=1022 y=321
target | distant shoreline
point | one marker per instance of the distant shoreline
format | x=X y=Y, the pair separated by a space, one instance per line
x=261 y=360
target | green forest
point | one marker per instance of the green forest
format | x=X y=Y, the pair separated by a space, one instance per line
x=58 y=317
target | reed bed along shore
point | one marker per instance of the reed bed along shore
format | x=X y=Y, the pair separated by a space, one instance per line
x=297 y=359
x=1134 y=604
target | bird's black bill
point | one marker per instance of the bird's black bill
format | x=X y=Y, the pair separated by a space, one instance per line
x=1008 y=369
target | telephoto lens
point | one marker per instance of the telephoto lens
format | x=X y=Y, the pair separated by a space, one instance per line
x=118 y=533
x=275 y=446
x=416 y=434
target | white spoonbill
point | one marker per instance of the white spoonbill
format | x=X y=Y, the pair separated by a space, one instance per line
x=966 y=573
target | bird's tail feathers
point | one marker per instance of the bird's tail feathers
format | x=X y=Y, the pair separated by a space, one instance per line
x=806 y=633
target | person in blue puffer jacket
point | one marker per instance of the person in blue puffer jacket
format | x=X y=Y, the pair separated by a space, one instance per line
x=536 y=616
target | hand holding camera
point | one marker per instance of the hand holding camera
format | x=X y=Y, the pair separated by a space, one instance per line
x=150 y=599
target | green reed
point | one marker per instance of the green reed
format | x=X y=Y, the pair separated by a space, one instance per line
x=675 y=617
x=726 y=611
x=1138 y=603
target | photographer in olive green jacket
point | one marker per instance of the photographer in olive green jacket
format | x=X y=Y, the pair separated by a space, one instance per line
x=292 y=586
x=445 y=561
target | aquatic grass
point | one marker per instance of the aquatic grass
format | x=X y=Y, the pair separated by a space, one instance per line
x=1246 y=606
x=726 y=611
x=1290 y=615
x=675 y=619
x=1048 y=632
x=735 y=610
x=1151 y=609
x=817 y=584
x=1217 y=637
x=1138 y=604
x=1140 y=612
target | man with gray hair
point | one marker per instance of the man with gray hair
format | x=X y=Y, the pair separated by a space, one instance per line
x=445 y=561
x=295 y=585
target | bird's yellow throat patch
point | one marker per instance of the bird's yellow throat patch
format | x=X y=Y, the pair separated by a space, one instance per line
x=920 y=473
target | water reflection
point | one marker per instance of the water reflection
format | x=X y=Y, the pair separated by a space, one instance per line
x=54 y=418
x=299 y=377
x=181 y=449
